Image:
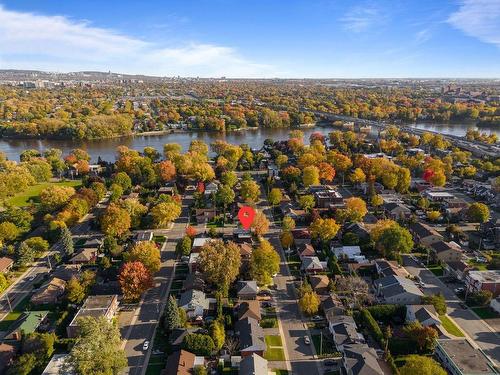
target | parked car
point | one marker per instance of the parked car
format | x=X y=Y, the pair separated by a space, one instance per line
x=145 y=346
x=264 y=293
x=329 y=362
x=459 y=290
x=307 y=340
x=316 y=318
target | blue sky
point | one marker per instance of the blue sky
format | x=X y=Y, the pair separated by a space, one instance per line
x=257 y=38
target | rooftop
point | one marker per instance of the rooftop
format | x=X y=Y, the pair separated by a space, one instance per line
x=464 y=356
x=491 y=276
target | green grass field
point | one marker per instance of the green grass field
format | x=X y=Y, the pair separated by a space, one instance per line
x=273 y=340
x=32 y=193
x=450 y=326
x=14 y=315
x=436 y=269
x=485 y=313
x=274 y=354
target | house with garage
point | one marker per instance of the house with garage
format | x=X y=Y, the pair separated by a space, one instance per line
x=251 y=337
x=397 y=290
x=312 y=265
x=425 y=314
x=446 y=251
x=423 y=234
x=195 y=304
x=253 y=365
x=247 y=290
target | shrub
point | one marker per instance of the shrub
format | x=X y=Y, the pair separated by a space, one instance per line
x=372 y=326
x=388 y=313
x=198 y=344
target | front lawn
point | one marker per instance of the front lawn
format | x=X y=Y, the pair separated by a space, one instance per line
x=485 y=312
x=33 y=192
x=274 y=354
x=14 y=315
x=156 y=365
x=325 y=348
x=269 y=322
x=273 y=340
x=450 y=326
x=436 y=269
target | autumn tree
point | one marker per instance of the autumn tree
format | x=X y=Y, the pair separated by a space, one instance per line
x=55 y=197
x=166 y=170
x=307 y=202
x=324 y=229
x=288 y=223
x=264 y=263
x=122 y=179
x=115 y=221
x=260 y=224
x=250 y=191
x=134 y=279
x=75 y=292
x=220 y=263
x=147 y=253
x=433 y=215
x=357 y=176
x=310 y=176
x=425 y=337
x=8 y=232
x=309 y=302
x=164 y=213
x=217 y=333
x=229 y=178
x=326 y=172
x=286 y=239
x=355 y=209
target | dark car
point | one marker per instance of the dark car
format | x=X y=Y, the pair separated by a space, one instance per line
x=329 y=362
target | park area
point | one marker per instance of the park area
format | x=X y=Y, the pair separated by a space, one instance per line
x=31 y=194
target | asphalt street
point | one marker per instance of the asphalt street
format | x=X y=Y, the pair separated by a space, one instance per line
x=474 y=327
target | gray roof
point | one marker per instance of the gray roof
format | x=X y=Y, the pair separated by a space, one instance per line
x=253 y=365
x=194 y=297
x=251 y=335
x=311 y=262
x=423 y=230
x=345 y=329
x=245 y=287
x=387 y=281
x=361 y=360
x=464 y=356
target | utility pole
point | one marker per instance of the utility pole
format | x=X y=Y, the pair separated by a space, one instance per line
x=8 y=301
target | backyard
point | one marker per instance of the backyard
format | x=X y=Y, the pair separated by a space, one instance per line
x=32 y=193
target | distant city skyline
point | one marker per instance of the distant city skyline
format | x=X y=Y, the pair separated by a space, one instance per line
x=257 y=39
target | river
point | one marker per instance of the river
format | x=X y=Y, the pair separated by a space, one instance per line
x=105 y=148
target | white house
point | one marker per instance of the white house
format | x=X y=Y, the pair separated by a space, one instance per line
x=351 y=253
x=195 y=303
x=425 y=314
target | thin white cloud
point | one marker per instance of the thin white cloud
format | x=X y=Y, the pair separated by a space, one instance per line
x=479 y=19
x=361 y=18
x=422 y=36
x=57 y=43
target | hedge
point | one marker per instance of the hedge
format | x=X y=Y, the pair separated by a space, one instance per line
x=387 y=313
x=371 y=324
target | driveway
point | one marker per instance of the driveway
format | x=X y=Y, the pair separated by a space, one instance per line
x=475 y=328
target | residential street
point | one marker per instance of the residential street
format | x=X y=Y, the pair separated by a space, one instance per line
x=140 y=325
x=300 y=356
x=477 y=330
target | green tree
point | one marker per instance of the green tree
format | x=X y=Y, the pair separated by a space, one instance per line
x=478 y=212
x=275 y=196
x=116 y=192
x=288 y=224
x=421 y=365
x=395 y=240
x=8 y=232
x=437 y=300
x=75 y=292
x=225 y=196
x=25 y=255
x=172 y=318
x=67 y=241
x=264 y=263
x=229 y=178
x=307 y=202
x=424 y=337
x=122 y=179
x=3 y=282
x=164 y=213
x=99 y=188
x=218 y=334
x=183 y=246
x=24 y=365
x=97 y=349
x=198 y=344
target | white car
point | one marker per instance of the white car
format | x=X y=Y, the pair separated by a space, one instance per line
x=307 y=340
x=145 y=346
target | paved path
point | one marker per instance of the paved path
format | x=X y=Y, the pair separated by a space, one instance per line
x=140 y=325
x=475 y=328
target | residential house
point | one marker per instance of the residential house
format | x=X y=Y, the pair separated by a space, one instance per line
x=306 y=250
x=49 y=293
x=94 y=306
x=251 y=337
x=320 y=283
x=344 y=331
x=420 y=184
x=168 y=190
x=67 y=271
x=253 y=365
x=457 y=270
x=85 y=256
x=241 y=235
x=397 y=290
x=301 y=236
x=204 y=215
x=437 y=195
x=193 y=262
x=27 y=323
x=195 y=303
x=328 y=198
x=360 y=359
x=359 y=230
x=332 y=306
x=483 y=280
x=247 y=290
x=249 y=309
x=198 y=243
x=459 y=357
x=6 y=264
x=424 y=234
x=446 y=251
x=211 y=188
x=396 y=211
x=389 y=267
x=349 y=253
x=93 y=243
x=246 y=250
x=312 y=265
x=7 y=354
x=193 y=280
x=425 y=314
x=182 y=362
x=296 y=213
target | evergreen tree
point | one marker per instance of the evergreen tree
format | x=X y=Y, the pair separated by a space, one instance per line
x=67 y=241
x=172 y=317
